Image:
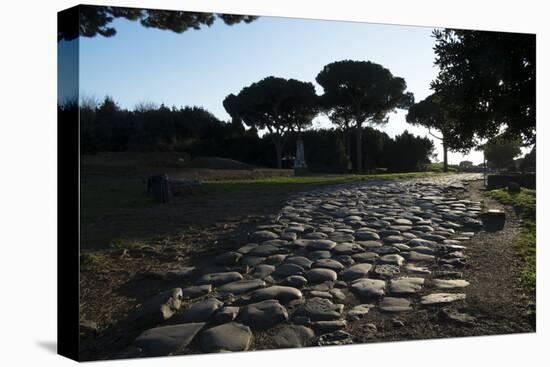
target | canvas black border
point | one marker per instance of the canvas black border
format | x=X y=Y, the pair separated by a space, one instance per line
x=68 y=205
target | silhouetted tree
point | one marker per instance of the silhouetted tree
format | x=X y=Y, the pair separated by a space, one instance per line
x=431 y=114
x=408 y=153
x=500 y=152
x=487 y=79
x=276 y=104
x=94 y=20
x=363 y=90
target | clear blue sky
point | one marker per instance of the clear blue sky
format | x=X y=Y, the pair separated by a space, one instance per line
x=202 y=67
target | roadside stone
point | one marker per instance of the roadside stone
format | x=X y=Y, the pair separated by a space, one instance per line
x=231 y=337
x=264 y=314
x=414 y=256
x=453 y=315
x=179 y=274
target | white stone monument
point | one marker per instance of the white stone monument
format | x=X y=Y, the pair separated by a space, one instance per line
x=300 y=164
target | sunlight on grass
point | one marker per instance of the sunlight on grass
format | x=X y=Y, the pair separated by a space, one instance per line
x=302 y=182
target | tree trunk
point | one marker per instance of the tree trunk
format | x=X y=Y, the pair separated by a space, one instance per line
x=445 y=162
x=359 y=149
x=348 y=149
x=279 y=151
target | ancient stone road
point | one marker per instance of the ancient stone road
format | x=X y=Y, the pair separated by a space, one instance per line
x=327 y=259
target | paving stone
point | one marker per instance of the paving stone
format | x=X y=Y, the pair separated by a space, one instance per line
x=406 y=285
x=201 y=311
x=263 y=236
x=167 y=340
x=339 y=337
x=228 y=259
x=321 y=245
x=366 y=257
x=366 y=236
x=359 y=311
x=226 y=314
x=159 y=308
x=328 y=264
x=366 y=288
x=347 y=248
x=414 y=256
x=316 y=255
x=320 y=309
x=302 y=261
x=392 y=259
x=241 y=286
x=287 y=269
x=217 y=279
x=356 y=271
x=393 y=304
x=293 y=336
x=281 y=293
x=450 y=283
x=264 y=314
x=231 y=337
x=442 y=298
x=320 y=275
x=296 y=281
x=328 y=326
x=196 y=291
x=263 y=270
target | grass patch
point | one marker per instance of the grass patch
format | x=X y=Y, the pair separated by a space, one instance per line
x=302 y=182
x=438 y=167
x=524 y=202
x=103 y=196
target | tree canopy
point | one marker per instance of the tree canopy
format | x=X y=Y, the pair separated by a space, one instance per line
x=487 y=82
x=276 y=104
x=364 y=91
x=431 y=114
x=96 y=20
x=501 y=151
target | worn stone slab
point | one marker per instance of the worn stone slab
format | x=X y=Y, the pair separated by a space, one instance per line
x=264 y=314
x=201 y=311
x=406 y=285
x=359 y=311
x=392 y=259
x=366 y=288
x=281 y=293
x=320 y=275
x=356 y=271
x=196 y=291
x=167 y=340
x=328 y=264
x=219 y=278
x=231 y=337
x=293 y=336
x=450 y=283
x=159 y=308
x=393 y=304
x=442 y=298
x=241 y=286
x=320 y=309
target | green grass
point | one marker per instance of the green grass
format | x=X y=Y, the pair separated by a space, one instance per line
x=524 y=203
x=302 y=182
x=438 y=167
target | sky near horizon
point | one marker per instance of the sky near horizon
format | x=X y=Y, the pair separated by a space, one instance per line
x=202 y=67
